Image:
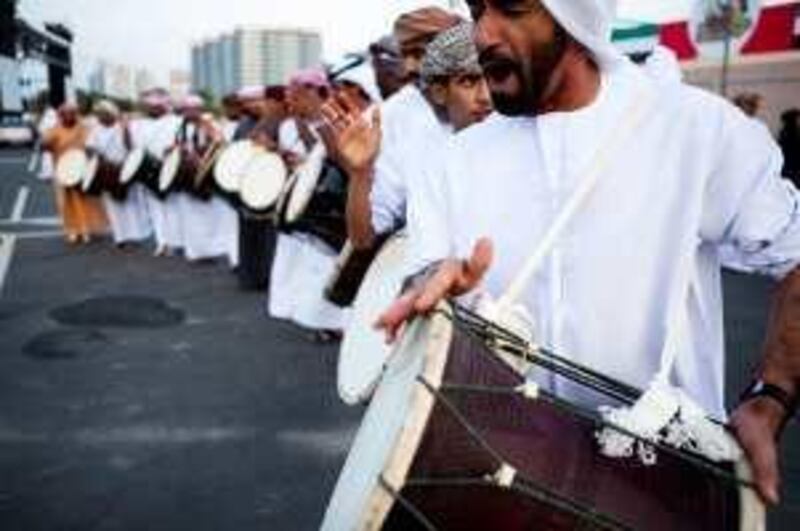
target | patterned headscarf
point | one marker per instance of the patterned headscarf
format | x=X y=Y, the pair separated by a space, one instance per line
x=451 y=52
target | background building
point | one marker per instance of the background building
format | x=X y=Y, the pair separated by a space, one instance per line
x=113 y=80
x=179 y=83
x=252 y=57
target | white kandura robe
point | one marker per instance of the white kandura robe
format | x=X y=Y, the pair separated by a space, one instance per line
x=129 y=219
x=695 y=176
x=413 y=137
x=157 y=136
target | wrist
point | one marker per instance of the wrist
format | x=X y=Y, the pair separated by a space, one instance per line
x=772 y=402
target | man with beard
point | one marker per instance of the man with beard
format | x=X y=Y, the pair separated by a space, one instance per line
x=659 y=176
x=128 y=216
x=385 y=165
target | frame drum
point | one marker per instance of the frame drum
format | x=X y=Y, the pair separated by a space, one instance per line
x=262 y=182
x=232 y=164
x=364 y=352
x=456 y=439
x=71 y=168
x=307 y=177
x=91 y=184
x=170 y=172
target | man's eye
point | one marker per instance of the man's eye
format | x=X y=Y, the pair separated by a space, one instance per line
x=513 y=7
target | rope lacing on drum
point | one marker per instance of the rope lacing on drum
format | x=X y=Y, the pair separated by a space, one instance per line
x=506 y=475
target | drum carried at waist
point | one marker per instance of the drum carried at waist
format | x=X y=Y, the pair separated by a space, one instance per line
x=263 y=179
x=71 y=168
x=363 y=353
x=141 y=167
x=456 y=438
x=316 y=201
x=103 y=176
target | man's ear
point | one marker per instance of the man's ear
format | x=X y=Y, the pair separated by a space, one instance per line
x=438 y=94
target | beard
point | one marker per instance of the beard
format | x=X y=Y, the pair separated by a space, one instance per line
x=519 y=87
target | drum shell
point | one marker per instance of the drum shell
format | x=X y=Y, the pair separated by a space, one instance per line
x=108 y=179
x=553 y=448
x=148 y=173
x=325 y=215
x=351 y=269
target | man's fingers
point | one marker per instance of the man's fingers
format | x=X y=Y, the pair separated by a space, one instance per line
x=397 y=314
x=474 y=269
x=438 y=287
x=764 y=459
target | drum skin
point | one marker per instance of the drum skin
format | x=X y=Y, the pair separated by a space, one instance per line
x=443 y=471
x=262 y=182
x=71 y=168
x=141 y=167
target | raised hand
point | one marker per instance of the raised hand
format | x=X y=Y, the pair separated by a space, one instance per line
x=354 y=136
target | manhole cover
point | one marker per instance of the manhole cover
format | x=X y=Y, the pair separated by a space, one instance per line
x=66 y=344
x=122 y=312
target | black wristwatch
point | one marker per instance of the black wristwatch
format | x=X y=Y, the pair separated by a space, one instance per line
x=759 y=388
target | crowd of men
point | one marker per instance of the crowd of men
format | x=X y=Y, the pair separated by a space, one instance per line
x=682 y=175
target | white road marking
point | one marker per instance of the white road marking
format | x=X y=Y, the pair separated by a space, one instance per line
x=19 y=205
x=13 y=161
x=41 y=235
x=7 y=244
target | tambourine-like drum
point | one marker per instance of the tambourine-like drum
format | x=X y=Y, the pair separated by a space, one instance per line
x=262 y=182
x=231 y=165
x=364 y=352
x=203 y=184
x=455 y=439
x=142 y=167
x=71 y=168
x=307 y=177
x=90 y=184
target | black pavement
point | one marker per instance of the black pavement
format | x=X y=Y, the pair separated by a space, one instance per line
x=140 y=393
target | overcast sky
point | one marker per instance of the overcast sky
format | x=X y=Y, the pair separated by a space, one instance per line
x=159 y=33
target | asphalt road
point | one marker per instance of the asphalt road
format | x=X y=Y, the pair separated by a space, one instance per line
x=147 y=394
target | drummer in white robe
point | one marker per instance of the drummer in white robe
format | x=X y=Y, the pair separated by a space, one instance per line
x=129 y=218
x=631 y=287
x=210 y=227
x=302 y=263
x=156 y=132
x=450 y=95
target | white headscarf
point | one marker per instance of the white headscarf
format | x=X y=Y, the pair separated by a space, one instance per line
x=590 y=23
x=364 y=76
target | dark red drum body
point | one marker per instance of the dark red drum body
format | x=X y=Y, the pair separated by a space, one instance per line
x=468 y=446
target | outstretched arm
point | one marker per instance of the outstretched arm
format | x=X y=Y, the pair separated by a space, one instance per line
x=764 y=411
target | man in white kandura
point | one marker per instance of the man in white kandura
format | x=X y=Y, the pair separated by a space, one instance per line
x=156 y=132
x=385 y=166
x=128 y=216
x=662 y=175
x=210 y=225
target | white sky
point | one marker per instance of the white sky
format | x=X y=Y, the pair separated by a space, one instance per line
x=158 y=33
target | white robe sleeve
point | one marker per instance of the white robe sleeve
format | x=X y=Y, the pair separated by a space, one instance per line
x=388 y=195
x=756 y=211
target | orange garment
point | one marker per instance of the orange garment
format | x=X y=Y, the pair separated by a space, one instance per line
x=81 y=215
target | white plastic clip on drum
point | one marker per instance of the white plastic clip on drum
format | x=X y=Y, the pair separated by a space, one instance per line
x=71 y=168
x=364 y=351
x=232 y=163
x=262 y=181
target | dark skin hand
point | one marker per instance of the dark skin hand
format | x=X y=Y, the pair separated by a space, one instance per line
x=757 y=422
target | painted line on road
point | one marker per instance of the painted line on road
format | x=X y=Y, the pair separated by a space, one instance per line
x=7 y=244
x=21 y=202
x=14 y=161
x=41 y=235
x=30 y=222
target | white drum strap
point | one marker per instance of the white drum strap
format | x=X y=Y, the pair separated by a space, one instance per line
x=634 y=114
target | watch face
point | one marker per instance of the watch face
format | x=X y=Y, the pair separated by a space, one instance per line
x=714 y=21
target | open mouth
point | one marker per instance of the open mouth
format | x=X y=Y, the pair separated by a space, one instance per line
x=498 y=69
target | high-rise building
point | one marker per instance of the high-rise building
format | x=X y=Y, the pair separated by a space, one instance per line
x=179 y=83
x=252 y=57
x=112 y=80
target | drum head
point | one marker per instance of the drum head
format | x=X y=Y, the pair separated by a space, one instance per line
x=392 y=429
x=132 y=164
x=91 y=173
x=232 y=163
x=169 y=170
x=71 y=167
x=364 y=352
x=308 y=175
x=262 y=181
